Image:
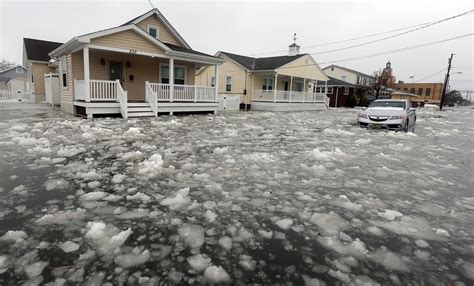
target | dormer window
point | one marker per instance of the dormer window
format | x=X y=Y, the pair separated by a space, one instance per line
x=19 y=70
x=153 y=31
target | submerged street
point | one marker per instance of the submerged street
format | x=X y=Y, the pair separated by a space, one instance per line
x=238 y=198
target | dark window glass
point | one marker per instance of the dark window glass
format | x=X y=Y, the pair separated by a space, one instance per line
x=420 y=91
x=412 y=90
x=152 y=32
x=428 y=91
x=64 y=80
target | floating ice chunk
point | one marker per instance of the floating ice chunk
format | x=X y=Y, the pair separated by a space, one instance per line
x=210 y=216
x=132 y=132
x=330 y=223
x=468 y=269
x=355 y=248
x=14 y=235
x=35 y=269
x=344 y=202
x=375 y=230
x=4 y=262
x=337 y=132
x=62 y=217
x=106 y=238
x=151 y=167
x=93 y=184
x=285 y=223
x=192 y=235
x=40 y=150
x=199 y=262
x=225 y=242
x=327 y=156
x=118 y=178
x=131 y=156
x=220 y=151
x=421 y=243
x=95 y=279
x=180 y=201
x=410 y=226
x=260 y=157
x=363 y=141
x=131 y=259
x=54 y=184
x=442 y=232
x=94 y=196
x=134 y=214
x=32 y=141
x=247 y=262
x=309 y=281
x=140 y=197
x=216 y=274
x=69 y=246
x=390 y=214
x=265 y=234
x=389 y=260
x=69 y=152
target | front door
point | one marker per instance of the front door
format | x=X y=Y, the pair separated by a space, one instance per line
x=286 y=86
x=115 y=71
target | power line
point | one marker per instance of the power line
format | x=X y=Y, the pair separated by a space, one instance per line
x=430 y=76
x=417 y=27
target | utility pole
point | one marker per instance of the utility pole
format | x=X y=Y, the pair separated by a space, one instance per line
x=446 y=82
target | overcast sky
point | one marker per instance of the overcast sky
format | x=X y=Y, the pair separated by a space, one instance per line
x=250 y=28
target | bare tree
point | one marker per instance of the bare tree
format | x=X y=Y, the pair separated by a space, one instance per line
x=380 y=83
x=4 y=64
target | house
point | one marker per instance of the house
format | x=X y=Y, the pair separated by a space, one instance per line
x=279 y=83
x=416 y=100
x=340 y=93
x=36 y=59
x=14 y=79
x=348 y=75
x=427 y=92
x=140 y=68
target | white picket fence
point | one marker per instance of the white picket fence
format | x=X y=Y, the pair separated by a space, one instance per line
x=10 y=97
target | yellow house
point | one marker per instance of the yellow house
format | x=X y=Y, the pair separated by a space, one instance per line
x=36 y=60
x=280 y=83
x=140 y=68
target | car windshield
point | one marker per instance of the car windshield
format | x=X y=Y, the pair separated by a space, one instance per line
x=394 y=104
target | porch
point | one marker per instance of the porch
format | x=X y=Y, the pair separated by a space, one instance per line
x=108 y=82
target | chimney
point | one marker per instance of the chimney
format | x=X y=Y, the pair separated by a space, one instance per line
x=294 y=49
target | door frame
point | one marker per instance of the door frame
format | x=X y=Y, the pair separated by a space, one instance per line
x=124 y=71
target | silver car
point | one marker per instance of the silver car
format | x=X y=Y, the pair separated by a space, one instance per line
x=393 y=114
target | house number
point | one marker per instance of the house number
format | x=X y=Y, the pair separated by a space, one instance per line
x=133 y=52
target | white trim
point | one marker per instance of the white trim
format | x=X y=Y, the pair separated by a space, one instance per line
x=230 y=59
x=13 y=67
x=153 y=27
x=175 y=66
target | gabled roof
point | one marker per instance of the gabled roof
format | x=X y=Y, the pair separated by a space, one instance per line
x=268 y=63
x=337 y=82
x=38 y=50
x=162 y=18
x=13 y=67
x=185 y=50
x=347 y=69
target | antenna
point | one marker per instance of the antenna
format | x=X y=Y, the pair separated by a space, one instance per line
x=153 y=6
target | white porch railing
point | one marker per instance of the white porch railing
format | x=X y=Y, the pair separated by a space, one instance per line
x=289 y=97
x=11 y=97
x=99 y=90
x=122 y=99
x=189 y=93
x=151 y=98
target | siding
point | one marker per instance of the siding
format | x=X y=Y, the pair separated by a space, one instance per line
x=38 y=71
x=164 y=34
x=338 y=73
x=303 y=68
x=128 y=40
x=141 y=67
x=66 y=92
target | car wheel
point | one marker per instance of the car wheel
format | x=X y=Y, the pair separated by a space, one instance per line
x=407 y=124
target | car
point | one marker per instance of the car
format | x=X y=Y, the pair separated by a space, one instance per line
x=392 y=114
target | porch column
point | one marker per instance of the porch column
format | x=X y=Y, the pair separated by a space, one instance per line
x=253 y=86
x=291 y=87
x=337 y=96
x=171 y=78
x=275 y=88
x=216 y=86
x=85 y=53
x=325 y=89
x=304 y=89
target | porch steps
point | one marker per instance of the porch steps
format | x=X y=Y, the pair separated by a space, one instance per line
x=139 y=109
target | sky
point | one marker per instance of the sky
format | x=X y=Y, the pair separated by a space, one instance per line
x=256 y=28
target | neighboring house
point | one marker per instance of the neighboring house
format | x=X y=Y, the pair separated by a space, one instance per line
x=427 y=92
x=36 y=59
x=272 y=83
x=340 y=93
x=415 y=99
x=14 y=79
x=137 y=69
x=348 y=75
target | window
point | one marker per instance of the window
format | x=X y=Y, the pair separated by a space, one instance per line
x=228 y=83
x=318 y=89
x=405 y=89
x=299 y=86
x=358 y=80
x=213 y=81
x=153 y=31
x=428 y=91
x=179 y=74
x=267 y=84
x=346 y=91
x=64 y=71
x=412 y=90
x=330 y=91
x=420 y=91
x=343 y=78
x=332 y=68
x=323 y=89
x=19 y=70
